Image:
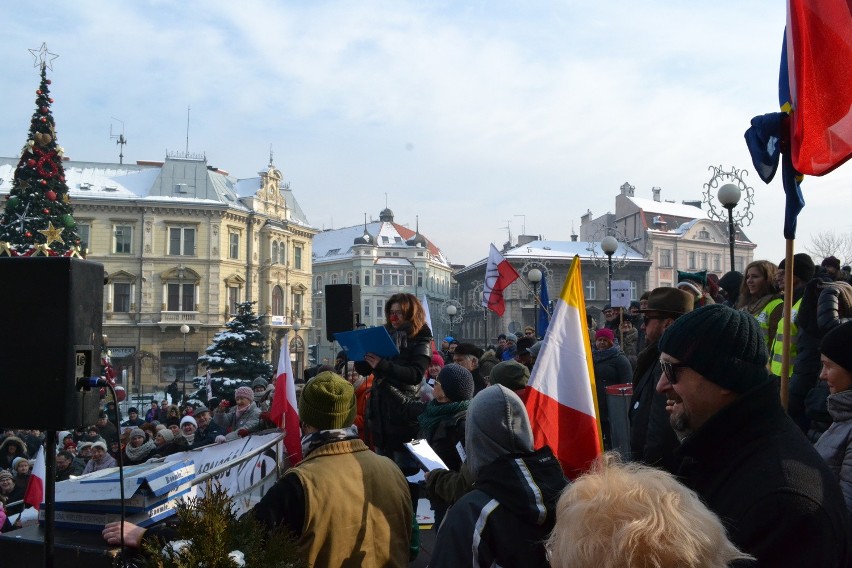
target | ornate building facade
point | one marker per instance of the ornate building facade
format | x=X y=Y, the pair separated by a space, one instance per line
x=674 y=236
x=182 y=243
x=552 y=258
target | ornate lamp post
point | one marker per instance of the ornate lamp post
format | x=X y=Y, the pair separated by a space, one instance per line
x=534 y=276
x=454 y=313
x=184 y=329
x=297 y=372
x=451 y=313
x=609 y=245
x=729 y=196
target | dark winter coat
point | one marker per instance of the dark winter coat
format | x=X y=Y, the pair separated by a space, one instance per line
x=207 y=436
x=75 y=468
x=835 y=445
x=232 y=424
x=611 y=368
x=506 y=518
x=652 y=440
x=388 y=425
x=752 y=466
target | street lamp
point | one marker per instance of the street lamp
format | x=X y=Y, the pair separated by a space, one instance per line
x=184 y=329
x=296 y=372
x=609 y=245
x=452 y=310
x=729 y=196
x=534 y=276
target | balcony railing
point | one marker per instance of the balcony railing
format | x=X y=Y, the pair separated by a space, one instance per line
x=179 y=317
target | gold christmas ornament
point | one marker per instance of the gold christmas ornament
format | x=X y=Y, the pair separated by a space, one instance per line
x=5 y=248
x=52 y=234
x=41 y=250
x=42 y=139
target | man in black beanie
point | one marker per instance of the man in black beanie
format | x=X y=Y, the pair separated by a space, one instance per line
x=740 y=452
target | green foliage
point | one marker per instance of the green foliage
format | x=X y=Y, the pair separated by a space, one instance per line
x=239 y=352
x=213 y=532
x=39 y=194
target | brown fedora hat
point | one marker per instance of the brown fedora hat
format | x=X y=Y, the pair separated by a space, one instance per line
x=669 y=301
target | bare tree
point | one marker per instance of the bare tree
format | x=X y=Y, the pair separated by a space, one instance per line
x=831 y=243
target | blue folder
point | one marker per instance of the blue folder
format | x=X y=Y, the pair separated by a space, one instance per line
x=359 y=342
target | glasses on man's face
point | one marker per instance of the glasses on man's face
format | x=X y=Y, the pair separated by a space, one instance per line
x=670 y=370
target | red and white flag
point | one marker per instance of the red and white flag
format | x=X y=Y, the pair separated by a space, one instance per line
x=284 y=411
x=562 y=402
x=35 y=487
x=498 y=275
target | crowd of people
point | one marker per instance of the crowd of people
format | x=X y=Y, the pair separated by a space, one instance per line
x=718 y=472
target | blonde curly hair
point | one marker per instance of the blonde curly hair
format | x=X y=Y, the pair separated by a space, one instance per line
x=634 y=516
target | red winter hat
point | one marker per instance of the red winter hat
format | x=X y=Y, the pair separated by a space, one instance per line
x=605 y=332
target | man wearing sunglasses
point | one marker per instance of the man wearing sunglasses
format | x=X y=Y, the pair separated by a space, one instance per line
x=652 y=439
x=739 y=451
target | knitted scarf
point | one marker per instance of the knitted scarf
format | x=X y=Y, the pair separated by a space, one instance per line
x=436 y=412
x=136 y=453
x=314 y=440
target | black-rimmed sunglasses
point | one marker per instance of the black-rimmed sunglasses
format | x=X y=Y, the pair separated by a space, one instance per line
x=670 y=370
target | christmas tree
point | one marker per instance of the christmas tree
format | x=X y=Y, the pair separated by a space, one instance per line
x=37 y=218
x=238 y=353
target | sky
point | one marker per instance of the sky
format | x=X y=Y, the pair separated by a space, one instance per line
x=480 y=117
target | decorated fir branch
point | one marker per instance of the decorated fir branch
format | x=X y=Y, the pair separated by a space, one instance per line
x=211 y=536
x=38 y=219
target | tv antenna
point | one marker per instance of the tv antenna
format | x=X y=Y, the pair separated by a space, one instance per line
x=119 y=139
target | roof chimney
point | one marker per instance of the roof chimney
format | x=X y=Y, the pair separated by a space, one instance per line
x=656 y=191
x=627 y=189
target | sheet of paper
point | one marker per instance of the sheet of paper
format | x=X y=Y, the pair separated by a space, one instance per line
x=423 y=453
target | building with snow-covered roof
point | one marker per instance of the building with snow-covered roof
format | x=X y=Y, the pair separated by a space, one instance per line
x=553 y=258
x=381 y=257
x=183 y=242
x=674 y=236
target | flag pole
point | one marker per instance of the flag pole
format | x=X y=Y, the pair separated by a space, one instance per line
x=788 y=308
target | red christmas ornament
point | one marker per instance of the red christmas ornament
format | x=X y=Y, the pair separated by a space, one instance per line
x=31 y=163
x=44 y=110
x=48 y=81
x=43 y=119
x=43 y=181
x=38 y=92
x=28 y=234
x=51 y=195
x=50 y=100
x=46 y=211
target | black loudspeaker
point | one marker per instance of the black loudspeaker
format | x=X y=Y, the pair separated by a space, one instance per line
x=51 y=336
x=342 y=308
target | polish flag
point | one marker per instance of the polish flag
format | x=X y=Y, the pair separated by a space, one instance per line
x=498 y=275
x=284 y=411
x=35 y=487
x=562 y=404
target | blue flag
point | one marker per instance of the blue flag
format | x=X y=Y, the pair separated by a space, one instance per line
x=543 y=315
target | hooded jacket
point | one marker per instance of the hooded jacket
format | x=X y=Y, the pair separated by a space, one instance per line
x=506 y=518
x=5 y=459
x=835 y=445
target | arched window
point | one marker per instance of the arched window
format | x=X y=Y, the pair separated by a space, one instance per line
x=282 y=254
x=349 y=278
x=333 y=279
x=274 y=254
x=318 y=284
x=277 y=301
